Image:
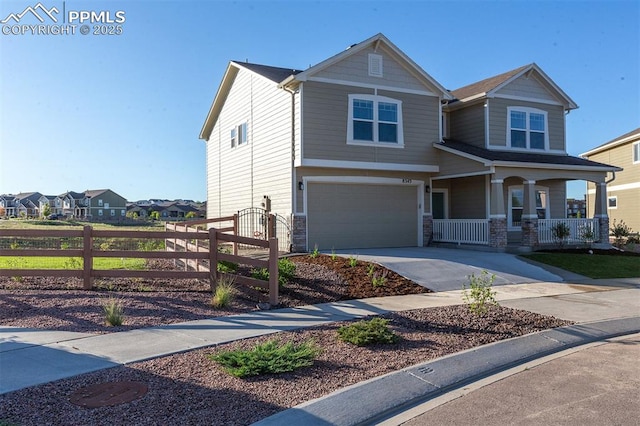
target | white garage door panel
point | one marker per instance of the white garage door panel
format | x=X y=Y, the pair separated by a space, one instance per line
x=361 y=215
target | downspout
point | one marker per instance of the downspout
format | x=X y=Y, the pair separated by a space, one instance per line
x=293 y=149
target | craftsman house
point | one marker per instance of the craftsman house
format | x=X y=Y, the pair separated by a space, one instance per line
x=366 y=149
x=623 y=188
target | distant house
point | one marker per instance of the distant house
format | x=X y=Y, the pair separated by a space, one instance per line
x=167 y=209
x=365 y=149
x=623 y=186
x=25 y=204
x=576 y=207
x=97 y=205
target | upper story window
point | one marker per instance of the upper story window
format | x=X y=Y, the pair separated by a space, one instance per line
x=375 y=120
x=636 y=152
x=239 y=135
x=527 y=128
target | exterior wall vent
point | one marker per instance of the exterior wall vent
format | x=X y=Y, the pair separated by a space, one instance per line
x=375 y=65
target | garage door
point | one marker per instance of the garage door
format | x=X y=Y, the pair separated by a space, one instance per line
x=351 y=215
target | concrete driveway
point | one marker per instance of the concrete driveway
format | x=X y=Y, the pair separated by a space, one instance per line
x=444 y=269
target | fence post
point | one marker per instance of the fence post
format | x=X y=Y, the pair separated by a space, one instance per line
x=87 y=257
x=271 y=231
x=235 y=232
x=213 y=258
x=273 y=271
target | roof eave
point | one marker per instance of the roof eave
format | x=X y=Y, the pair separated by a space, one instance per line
x=218 y=100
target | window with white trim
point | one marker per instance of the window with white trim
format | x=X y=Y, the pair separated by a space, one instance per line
x=234 y=137
x=636 y=152
x=516 y=205
x=238 y=135
x=374 y=120
x=527 y=128
x=242 y=133
x=612 y=202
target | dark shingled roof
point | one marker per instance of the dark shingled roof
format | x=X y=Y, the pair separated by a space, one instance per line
x=275 y=74
x=486 y=85
x=520 y=157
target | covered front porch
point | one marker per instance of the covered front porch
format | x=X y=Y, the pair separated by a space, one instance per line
x=513 y=201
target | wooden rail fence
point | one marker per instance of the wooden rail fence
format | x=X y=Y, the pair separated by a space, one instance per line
x=208 y=239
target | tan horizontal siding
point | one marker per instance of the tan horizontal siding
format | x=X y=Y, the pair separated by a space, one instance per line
x=467 y=125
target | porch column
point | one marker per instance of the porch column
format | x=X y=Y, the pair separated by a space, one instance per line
x=600 y=212
x=299 y=233
x=497 y=216
x=529 y=215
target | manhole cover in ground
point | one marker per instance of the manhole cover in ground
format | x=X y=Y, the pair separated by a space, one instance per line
x=107 y=394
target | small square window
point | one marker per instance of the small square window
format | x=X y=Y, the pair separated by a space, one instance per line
x=242 y=134
x=612 y=202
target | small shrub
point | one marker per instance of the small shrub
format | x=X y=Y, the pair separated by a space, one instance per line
x=619 y=231
x=587 y=235
x=271 y=357
x=371 y=269
x=370 y=332
x=379 y=279
x=334 y=256
x=315 y=253
x=480 y=294
x=286 y=272
x=353 y=261
x=560 y=232
x=228 y=267
x=113 y=311
x=224 y=293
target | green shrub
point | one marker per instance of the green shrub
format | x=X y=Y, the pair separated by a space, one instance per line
x=560 y=232
x=379 y=279
x=315 y=253
x=480 y=294
x=271 y=357
x=286 y=272
x=224 y=293
x=353 y=261
x=370 y=332
x=619 y=231
x=228 y=267
x=334 y=256
x=371 y=269
x=114 y=312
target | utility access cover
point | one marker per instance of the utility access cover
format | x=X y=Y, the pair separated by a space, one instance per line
x=108 y=394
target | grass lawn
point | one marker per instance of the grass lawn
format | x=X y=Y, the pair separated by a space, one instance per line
x=41 y=262
x=72 y=224
x=591 y=265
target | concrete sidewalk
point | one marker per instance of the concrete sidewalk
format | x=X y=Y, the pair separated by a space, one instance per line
x=31 y=357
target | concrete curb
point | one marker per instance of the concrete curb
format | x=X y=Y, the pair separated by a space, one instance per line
x=387 y=395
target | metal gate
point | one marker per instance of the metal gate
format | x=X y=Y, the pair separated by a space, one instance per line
x=254 y=223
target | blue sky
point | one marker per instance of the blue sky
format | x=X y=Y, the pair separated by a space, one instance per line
x=124 y=111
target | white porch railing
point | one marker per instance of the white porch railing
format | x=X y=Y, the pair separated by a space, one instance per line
x=580 y=230
x=464 y=231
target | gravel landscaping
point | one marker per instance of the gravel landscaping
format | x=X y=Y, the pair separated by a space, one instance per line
x=188 y=388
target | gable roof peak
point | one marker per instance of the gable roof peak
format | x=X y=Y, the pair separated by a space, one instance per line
x=490 y=85
x=376 y=41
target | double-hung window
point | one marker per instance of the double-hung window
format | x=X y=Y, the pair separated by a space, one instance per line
x=527 y=128
x=239 y=135
x=374 y=120
x=636 y=152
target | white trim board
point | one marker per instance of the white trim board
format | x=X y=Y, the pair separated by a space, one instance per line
x=364 y=165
